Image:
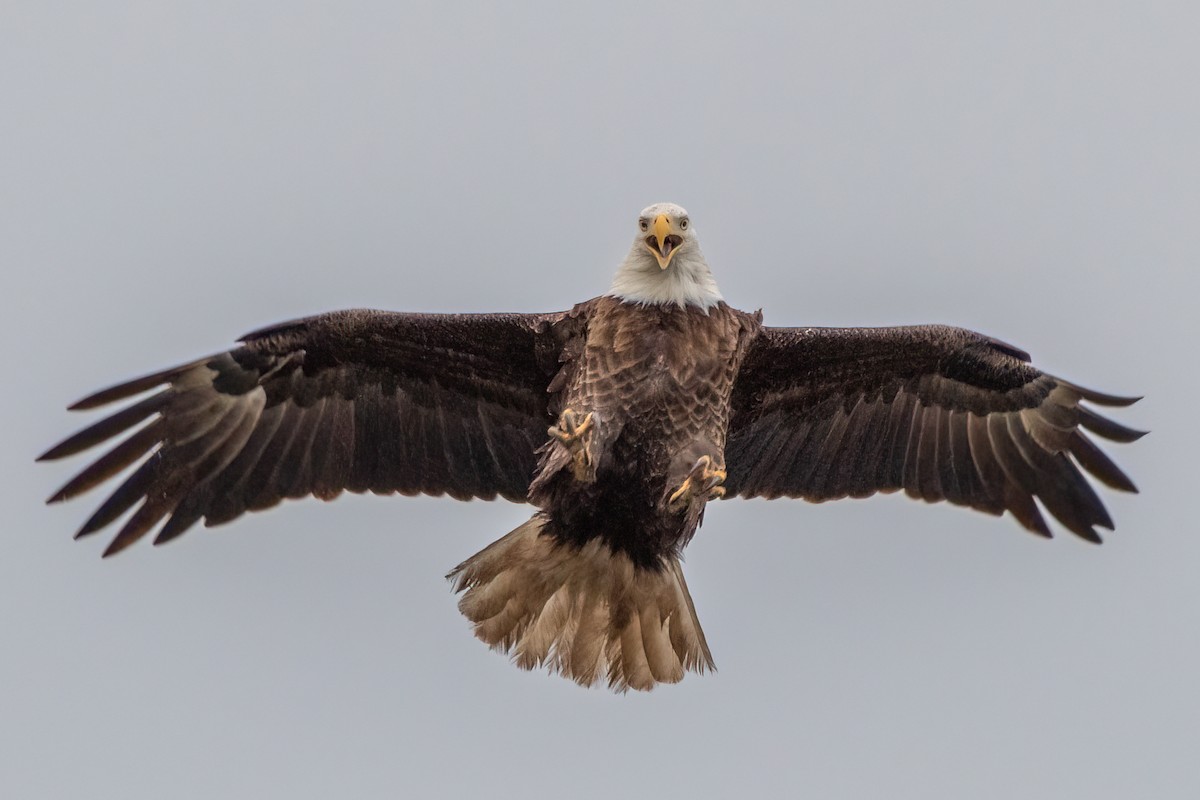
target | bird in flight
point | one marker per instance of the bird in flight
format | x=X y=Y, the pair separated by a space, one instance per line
x=618 y=421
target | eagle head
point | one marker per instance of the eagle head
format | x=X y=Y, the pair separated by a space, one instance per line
x=664 y=229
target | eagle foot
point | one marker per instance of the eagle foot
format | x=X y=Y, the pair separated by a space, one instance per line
x=705 y=480
x=575 y=435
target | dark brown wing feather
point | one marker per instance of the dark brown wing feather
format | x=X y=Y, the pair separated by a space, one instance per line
x=940 y=412
x=358 y=400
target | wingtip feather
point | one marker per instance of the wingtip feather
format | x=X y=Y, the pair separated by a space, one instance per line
x=61 y=450
x=1107 y=428
x=1103 y=398
x=114 y=547
x=134 y=387
x=110 y=395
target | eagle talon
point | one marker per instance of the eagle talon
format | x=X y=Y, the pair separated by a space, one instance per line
x=704 y=480
x=575 y=436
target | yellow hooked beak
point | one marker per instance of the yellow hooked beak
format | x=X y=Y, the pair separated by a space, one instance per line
x=661 y=242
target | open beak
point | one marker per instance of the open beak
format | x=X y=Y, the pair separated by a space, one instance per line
x=661 y=242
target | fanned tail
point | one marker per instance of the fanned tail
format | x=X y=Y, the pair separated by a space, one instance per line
x=588 y=613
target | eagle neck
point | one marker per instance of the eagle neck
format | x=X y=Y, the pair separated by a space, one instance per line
x=686 y=282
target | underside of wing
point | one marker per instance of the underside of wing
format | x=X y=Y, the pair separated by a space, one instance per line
x=357 y=400
x=939 y=412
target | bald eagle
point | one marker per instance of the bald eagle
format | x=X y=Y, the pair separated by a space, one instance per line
x=618 y=420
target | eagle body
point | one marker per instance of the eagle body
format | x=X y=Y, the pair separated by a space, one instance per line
x=658 y=381
x=618 y=421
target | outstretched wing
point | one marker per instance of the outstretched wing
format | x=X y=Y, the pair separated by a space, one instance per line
x=941 y=412
x=358 y=400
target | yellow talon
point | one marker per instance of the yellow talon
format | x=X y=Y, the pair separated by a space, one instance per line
x=574 y=436
x=679 y=493
x=568 y=431
x=703 y=479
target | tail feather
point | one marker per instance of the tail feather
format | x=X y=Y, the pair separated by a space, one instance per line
x=588 y=613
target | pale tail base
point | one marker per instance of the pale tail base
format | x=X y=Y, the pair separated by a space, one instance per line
x=587 y=613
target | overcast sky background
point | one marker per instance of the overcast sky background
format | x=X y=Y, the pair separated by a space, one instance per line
x=175 y=174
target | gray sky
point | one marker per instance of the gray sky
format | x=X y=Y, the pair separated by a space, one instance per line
x=174 y=175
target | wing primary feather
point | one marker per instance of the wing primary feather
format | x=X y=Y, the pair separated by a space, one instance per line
x=228 y=495
x=1018 y=470
x=235 y=431
x=186 y=514
x=262 y=484
x=111 y=462
x=1015 y=487
x=135 y=386
x=106 y=428
x=1047 y=436
x=133 y=489
x=210 y=468
x=1103 y=426
x=1026 y=512
x=146 y=517
x=1000 y=493
x=1059 y=485
x=1095 y=461
x=1100 y=398
x=1064 y=417
x=1084 y=510
x=189 y=426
